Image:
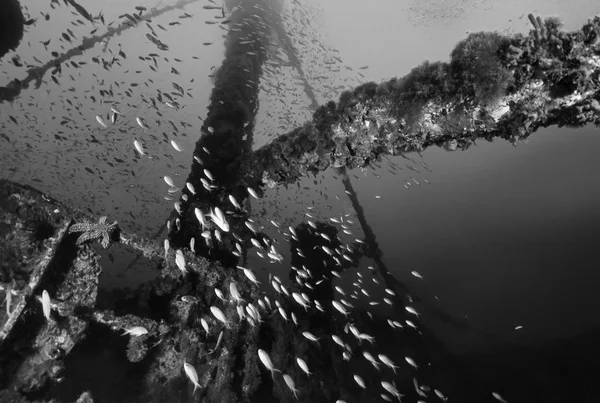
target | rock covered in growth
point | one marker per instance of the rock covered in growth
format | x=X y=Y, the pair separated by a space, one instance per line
x=494 y=86
x=12 y=23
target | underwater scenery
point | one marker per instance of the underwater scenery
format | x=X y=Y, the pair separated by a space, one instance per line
x=335 y=201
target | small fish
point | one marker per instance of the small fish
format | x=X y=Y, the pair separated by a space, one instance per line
x=411 y=324
x=412 y=310
x=46 y=307
x=190 y=187
x=209 y=175
x=411 y=362
x=498 y=397
x=302 y=364
x=310 y=336
x=360 y=381
x=101 y=121
x=169 y=181
x=275 y=285
x=191 y=373
x=250 y=275
x=167 y=247
x=255 y=242
x=371 y=359
x=290 y=383
x=392 y=389
x=180 y=260
x=138 y=147
x=205 y=326
x=206 y=185
x=252 y=193
x=234 y=202
x=219 y=294
x=440 y=395
x=219 y=219
x=218 y=343
x=140 y=122
x=418 y=388
x=266 y=360
x=298 y=298
x=176 y=146
x=416 y=274
x=115 y=110
x=219 y=314
x=136 y=331
x=340 y=308
x=251 y=227
x=338 y=340
x=201 y=218
x=235 y=294
x=387 y=361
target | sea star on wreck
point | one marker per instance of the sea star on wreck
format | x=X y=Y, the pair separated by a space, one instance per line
x=91 y=231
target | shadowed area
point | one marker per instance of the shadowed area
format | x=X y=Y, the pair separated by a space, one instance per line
x=12 y=25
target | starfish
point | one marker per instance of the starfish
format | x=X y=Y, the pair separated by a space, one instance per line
x=91 y=231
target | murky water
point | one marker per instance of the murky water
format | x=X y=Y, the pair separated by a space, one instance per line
x=504 y=237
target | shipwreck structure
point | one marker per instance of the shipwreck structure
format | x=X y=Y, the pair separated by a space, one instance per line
x=494 y=86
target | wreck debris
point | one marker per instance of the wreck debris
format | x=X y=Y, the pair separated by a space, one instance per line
x=24 y=269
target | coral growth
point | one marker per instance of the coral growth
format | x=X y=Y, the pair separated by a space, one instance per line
x=477 y=69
